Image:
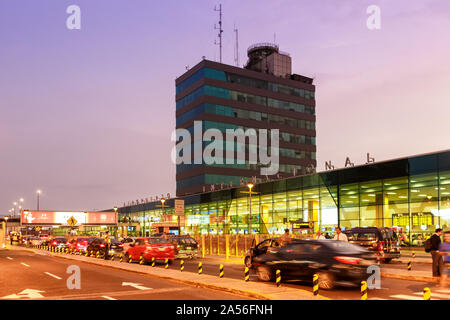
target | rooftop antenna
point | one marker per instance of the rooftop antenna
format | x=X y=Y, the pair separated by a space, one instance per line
x=236 y=52
x=220 y=30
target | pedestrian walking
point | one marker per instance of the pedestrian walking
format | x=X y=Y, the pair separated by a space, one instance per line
x=444 y=250
x=432 y=245
x=285 y=238
x=340 y=236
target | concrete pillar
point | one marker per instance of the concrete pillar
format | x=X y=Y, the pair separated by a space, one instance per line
x=313 y=214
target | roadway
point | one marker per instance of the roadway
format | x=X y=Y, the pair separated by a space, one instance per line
x=27 y=270
x=29 y=275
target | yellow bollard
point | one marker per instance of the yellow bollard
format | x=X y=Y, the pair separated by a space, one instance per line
x=121 y=258
x=221 y=271
x=278 y=278
x=141 y=259
x=247 y=274
x=153 y=261
x=363 y=290
x=227 y=246
x=167 y=264
x=426 y=294
x=315 y=284
x=413 y=254
x=200 y=269
x=203 y=246
x=181 y=265
x=409 y=265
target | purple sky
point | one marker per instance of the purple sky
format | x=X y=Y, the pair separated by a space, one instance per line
x=86 y=115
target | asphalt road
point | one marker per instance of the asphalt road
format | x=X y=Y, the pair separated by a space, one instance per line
x=26 y=270
x=28 y=275
x=391 y=289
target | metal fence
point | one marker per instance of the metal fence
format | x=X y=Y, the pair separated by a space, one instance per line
x=236 y=244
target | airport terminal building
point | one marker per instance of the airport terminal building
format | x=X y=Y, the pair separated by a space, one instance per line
x=410 y=194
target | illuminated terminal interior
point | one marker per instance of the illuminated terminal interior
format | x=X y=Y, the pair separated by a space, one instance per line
x=410 y=194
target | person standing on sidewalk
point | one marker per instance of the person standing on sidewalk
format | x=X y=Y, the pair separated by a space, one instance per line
x=107 y=244
x=340 y=236
x=444 y=250
x=438 y=263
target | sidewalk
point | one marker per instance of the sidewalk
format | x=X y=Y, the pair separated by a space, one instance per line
x=255 y=290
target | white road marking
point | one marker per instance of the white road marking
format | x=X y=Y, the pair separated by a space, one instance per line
x=9 y=258
x=443 y=291
x=406 y=297
x=24 y=264
x=27 y=293
x=52 y=275
x=437 y=295
x=108 y=298
x=135 y=285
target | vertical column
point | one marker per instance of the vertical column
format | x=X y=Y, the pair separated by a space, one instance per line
x=313 y=213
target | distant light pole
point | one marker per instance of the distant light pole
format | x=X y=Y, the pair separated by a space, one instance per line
x=38 y=193
x=6 y=226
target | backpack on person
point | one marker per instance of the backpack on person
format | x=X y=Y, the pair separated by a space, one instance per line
x=428 y=245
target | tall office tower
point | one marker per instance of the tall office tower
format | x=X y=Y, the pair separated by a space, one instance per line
x=262 y=95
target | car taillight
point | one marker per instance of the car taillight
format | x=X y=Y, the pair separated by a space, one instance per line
x=102 y=245
x=348 y=260
x=149 y=248
x=54 y=242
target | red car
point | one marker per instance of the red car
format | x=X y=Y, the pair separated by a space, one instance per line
x=158 y=248
x=80 y=244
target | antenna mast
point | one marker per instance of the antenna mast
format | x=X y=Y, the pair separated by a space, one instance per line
x=236 y=53
x=220 y=30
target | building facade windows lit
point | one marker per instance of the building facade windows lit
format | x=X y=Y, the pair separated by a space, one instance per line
x=411 y=195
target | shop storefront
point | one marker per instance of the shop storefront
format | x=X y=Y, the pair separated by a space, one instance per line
x=411 y=195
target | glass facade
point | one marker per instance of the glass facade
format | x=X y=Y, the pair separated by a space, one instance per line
x=411 y=195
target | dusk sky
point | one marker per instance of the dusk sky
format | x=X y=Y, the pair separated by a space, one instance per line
x=87 y=115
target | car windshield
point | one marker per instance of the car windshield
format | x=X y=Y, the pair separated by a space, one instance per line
x=60 y=239
x=361 y=236
x=344 y=247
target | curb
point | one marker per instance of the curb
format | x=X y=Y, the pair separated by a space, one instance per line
x=408 y=277
x=247 y=293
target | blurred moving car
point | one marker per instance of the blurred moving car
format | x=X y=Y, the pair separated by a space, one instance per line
x=59 y=242
x=259 y=249
x=153 y=247
x=381 y=241
x=185 y=246
x=333 y=261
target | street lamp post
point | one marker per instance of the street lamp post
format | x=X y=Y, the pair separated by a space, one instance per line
x=38 y=193
x=6 y=227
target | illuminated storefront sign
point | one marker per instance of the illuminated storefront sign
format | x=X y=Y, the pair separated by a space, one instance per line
x=63 y=218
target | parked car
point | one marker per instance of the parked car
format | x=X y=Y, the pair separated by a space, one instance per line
x=333 y=261
x=153 y=247
x=116 y=247
x=96 y=244
x=185 y=246
x=59 y=242
x=127 y=242
x=381 y=241
x=80 y=244
x=36 y=241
